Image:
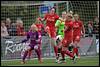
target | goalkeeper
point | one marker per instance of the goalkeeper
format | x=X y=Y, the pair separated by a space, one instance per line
x=33 y=36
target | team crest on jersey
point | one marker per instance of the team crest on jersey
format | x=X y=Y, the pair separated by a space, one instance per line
x=76 y=25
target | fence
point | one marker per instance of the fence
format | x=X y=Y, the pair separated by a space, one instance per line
x=10 y=50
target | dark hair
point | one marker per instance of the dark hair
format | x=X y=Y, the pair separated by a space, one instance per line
x=53 y=8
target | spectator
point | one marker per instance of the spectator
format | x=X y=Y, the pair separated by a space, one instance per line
x=13 y=29
x=8 y=25
x=96 y=27
x=96 y=19
x=20 y=28
x=90 y=28
x=4 y=31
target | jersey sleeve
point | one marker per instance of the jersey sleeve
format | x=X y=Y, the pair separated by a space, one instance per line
x=27 y=38
x=57 y=23
x=81 y=23
x=82 y=27
x=56 y=17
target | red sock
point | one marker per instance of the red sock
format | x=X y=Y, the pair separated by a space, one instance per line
x=68 y=53
x=56 y=50
x=63 y=54
x=75 y=51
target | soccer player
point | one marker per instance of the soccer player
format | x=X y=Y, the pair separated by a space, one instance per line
x=51 y=18
x=71 y=45
x=33 y=36
x=67 y=38
x=60 y=30
x=77 y=28
x=39 y=26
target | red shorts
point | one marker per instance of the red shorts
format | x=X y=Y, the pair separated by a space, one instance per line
x=66 y=41
x=51 y=32
x=76 y=38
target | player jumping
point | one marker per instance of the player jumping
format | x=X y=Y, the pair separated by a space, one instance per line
x=51 y=18
x=67 y=38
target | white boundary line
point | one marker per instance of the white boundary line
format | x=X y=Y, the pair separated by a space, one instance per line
x=49 y=58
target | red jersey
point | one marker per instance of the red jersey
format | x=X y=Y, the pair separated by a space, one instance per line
x=51 y=20
x=68 y=33
x=69 y=25
x=40 y=26
x=77 y=27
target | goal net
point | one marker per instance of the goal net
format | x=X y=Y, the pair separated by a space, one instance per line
x=28 y=11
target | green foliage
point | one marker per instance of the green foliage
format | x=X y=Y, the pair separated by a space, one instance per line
x=86 y=9
x=27 y=13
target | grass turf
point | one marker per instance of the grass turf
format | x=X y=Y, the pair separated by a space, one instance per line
x=84 y=61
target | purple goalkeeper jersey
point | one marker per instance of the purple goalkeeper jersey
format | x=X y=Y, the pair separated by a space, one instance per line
x=33 y=37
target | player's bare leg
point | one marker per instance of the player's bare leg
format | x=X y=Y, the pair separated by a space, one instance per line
x=52 y=40
x=58 y=41
x=53 y=44
x=63 y=55
x=62 y=52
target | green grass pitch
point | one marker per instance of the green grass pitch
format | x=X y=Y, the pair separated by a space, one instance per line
x=83 y=61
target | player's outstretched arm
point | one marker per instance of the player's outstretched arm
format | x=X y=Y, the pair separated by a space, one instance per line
x=26 y=39
x=40 y=19
x=83 y=30
x=57 y=24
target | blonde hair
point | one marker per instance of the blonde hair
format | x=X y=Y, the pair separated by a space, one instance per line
x=76 y=15
x=71 y=12
x=33 y=26
x=68 y=14
x=37 y=21
x=64 y=12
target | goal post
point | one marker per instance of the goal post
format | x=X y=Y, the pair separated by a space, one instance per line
x=98 y=7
